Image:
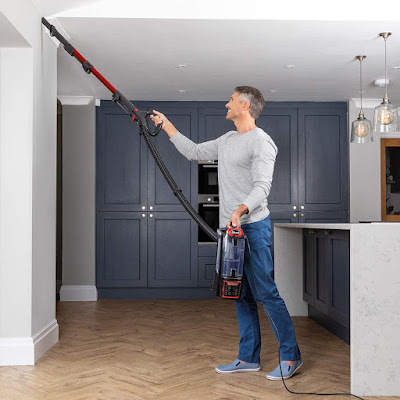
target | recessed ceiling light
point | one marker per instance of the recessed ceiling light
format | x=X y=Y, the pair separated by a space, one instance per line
x=181 y=66
x=181 y=91
x=290 y=66
x=396 y=68
x=272 y=91
x=381 y=82
x=362 y=92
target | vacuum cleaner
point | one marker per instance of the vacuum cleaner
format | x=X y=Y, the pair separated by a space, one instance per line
x=231 y=242
x=229 y=263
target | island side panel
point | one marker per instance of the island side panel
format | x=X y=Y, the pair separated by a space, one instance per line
x=288 y=260
x=375 y=309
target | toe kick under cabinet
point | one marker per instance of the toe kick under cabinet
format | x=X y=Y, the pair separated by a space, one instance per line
x=326 y=279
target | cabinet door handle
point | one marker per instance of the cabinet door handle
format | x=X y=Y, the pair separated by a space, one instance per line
x=301 y=215
x=294 y=215
x=143 y=215
x=151 y=207
x=328 y=232
x=294 y=207
x=302 y=207
x=151 y=215
x=311 y=231
x=143 y=207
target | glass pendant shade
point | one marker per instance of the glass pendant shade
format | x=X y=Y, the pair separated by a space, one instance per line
x=361 y=130
x=386 y=118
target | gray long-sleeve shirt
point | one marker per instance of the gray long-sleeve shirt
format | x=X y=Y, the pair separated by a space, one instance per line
x=245 y=169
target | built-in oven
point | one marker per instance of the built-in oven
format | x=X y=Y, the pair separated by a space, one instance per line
x=208 y=177
x=209 y=211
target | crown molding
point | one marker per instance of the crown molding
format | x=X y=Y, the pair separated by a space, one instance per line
x=75 y=100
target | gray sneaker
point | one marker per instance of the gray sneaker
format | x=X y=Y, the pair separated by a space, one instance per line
x=237 y=366
x=287 y=371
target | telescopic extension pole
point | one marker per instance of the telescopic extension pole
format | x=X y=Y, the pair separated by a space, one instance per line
x=141 y=118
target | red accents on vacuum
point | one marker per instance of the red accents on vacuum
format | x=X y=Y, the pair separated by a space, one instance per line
x=103 y=80
x=94 y=71
x=79 y=56
x=230 y=285
x=235 y=232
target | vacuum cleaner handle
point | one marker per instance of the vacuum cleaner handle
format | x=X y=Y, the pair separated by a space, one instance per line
x=158 y=127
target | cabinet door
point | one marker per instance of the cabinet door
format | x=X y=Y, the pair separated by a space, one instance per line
x=322 y=271
x=322 y=171
x=121 y=249
x=121 y=158
x=309 y=266
x=281 y=125
x=172 y=250
x=183 y=171
x=339 y=266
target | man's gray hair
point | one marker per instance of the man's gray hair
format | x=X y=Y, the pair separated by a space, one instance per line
x=254 y=97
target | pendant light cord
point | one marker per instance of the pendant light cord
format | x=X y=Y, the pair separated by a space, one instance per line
x=361 y=84
x=385 y=70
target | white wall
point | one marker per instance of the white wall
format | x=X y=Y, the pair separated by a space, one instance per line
x=15 y=193
x=27 y=189
x=79 y=207
x=365 y=180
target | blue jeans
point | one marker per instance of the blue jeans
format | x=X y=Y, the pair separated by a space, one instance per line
x=261 y=284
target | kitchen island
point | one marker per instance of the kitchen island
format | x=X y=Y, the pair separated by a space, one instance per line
x=374 y=297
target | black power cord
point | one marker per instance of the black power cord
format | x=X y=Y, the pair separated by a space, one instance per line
x=279 y=341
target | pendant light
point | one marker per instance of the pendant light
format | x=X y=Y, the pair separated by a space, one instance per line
x=361 y=128
x=386 y=114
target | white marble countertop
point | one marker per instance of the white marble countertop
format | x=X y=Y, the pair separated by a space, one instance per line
x=342 y=226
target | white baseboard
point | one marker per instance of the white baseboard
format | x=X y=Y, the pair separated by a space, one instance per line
x=78 y=293
x=45 y=339
x=28 y=350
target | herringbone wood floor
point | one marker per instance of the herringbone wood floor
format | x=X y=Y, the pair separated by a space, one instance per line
x=167 y=349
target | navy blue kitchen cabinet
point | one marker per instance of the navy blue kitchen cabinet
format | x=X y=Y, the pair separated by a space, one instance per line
x=311 y=171
x=322 y=167
x=121 y=162
x=326 y=279
x=172 y=250
x=121 y=250
x=145 y=238
x=310 y=185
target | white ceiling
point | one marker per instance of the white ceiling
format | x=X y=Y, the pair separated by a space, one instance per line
x=139 y=55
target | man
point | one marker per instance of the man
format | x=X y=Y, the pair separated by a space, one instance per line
x=246 y=159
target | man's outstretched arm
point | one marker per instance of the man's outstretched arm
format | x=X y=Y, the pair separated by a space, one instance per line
x=192 y=151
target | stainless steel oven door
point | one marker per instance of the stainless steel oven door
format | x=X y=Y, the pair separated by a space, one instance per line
x=210 y=214
x=208 y=178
